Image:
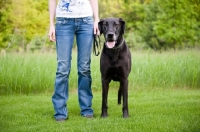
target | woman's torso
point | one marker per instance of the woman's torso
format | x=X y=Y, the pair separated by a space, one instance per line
x=73 y=8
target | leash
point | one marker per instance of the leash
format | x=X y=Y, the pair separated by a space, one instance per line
x=96 y=45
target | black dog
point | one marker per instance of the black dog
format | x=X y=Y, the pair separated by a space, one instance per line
x=115 y=61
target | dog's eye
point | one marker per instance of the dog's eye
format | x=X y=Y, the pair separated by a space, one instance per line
x=116 y=28
x=105 y=28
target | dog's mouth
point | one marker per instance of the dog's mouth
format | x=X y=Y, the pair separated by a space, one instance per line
x=110 y=44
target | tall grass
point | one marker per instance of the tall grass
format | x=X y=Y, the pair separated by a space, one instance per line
x=168 y=69
x=34 y=73
x=26 y=73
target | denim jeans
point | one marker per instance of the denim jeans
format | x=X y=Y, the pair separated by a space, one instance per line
x=66 y=29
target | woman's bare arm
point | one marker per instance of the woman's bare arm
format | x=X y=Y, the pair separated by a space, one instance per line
x=94 y=5
x=52 y=13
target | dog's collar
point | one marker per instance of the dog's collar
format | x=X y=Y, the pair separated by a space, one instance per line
x=121 y=43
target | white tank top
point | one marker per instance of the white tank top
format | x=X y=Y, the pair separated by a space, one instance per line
x=74 y=8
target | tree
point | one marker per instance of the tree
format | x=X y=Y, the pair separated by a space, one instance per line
x=156 y=23
x=4 y=21
x=26 y=17
x=170 y=23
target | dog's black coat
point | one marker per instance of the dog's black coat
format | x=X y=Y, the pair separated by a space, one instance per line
x=115 y=62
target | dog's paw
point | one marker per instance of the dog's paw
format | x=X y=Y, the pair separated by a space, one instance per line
x=125 y=114
x=104 y=115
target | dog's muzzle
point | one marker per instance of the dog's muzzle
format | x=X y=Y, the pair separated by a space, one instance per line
x=110 y=40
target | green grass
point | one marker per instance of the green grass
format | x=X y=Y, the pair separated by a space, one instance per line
x=164 y=94
x=171 y=110
x=34 y=73
x=26 y=73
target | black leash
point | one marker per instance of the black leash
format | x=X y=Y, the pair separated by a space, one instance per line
x=96 y=45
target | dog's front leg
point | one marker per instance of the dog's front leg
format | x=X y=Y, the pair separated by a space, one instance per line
x=124 y=86
x=104 y=98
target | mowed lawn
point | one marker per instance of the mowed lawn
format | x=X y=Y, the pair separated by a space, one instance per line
x=164 y=94
x=158 y=110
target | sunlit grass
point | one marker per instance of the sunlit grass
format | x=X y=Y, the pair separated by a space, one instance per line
x=150 y=110
x=164 y=94
x=167 y=69
x=26 y=73
x=34 y=73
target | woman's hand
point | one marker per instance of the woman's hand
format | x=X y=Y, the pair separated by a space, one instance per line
x=52 y=36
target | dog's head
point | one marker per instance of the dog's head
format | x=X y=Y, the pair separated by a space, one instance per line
x=112 y=29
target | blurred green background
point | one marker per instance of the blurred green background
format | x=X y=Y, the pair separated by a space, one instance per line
x=150 y=24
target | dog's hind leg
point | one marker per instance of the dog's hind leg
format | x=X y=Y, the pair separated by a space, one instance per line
x=119 y=95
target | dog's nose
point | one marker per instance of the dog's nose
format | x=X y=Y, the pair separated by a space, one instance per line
x=110 y=35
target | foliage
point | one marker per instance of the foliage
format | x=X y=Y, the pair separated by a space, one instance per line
x=17 y=41
x=156 y=24
x=170 y=28
x=5 y=30
x=27 y=16
x=160 y=23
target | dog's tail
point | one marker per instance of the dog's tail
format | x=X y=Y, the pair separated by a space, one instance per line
x=119 y=96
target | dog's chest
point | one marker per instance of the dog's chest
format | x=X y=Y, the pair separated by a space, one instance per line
x=114 y=57
x=115 y=73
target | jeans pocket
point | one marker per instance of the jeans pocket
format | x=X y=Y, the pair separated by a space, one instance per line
x=88 y=20
x=61 y=21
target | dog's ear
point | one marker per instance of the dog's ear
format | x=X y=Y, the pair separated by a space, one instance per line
x=123 y=25
x=100 y=26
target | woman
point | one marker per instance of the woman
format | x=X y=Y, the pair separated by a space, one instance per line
x=73 y=18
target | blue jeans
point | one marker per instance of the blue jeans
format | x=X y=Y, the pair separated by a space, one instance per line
x=66 y=29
